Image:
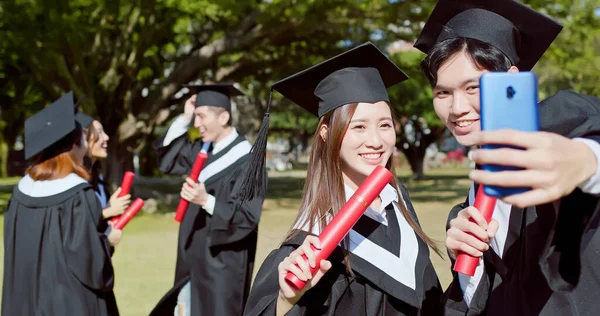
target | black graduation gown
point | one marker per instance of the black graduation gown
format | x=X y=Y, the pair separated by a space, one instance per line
x=550 y=260
x=215 y=252
x=55 y=260
x=370 y=292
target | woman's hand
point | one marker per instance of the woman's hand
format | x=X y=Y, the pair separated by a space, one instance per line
x=296 y=264
x=116 y=205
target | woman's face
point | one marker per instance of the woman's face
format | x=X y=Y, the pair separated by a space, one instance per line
x=98 y=147
x=368 y=142
x=80 y=150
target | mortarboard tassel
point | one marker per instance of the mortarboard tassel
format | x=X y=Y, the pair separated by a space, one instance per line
x=255 y=183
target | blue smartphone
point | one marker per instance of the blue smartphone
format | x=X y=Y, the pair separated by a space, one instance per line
x=508 y=100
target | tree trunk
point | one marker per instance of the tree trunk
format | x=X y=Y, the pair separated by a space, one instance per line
x=416 y=156
x=119 y=160
x=415 y=146
x=3 y=158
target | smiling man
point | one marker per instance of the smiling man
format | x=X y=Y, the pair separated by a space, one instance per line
x=540 y=251
x=217 y=236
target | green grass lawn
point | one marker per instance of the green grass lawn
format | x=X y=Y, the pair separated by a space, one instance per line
x=144 y=261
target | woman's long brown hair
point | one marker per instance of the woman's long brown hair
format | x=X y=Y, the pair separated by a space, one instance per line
x=324 y=193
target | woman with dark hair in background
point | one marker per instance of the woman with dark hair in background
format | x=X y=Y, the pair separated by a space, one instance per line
x=97 y=151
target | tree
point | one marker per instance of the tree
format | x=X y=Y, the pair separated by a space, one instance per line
x=573 y=60
x=412 y=100
x=130 y=58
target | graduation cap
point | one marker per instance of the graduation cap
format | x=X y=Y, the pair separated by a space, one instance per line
x=218 y=95
x=520 y=32
x=361 y=74
x=49 y=125
x=84 y=119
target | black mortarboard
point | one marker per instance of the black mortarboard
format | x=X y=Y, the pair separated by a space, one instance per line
x=84 y=119
x=361 y=74
x=520 y=32
x=49 y=125
x=218 y=94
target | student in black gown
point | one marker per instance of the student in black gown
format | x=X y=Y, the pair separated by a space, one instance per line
x=97 y=150
x=55 y=261
x=217 y=237
x=385 y=267
x=521 y=273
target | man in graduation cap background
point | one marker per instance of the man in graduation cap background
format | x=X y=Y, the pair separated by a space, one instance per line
x=543 y=246
x=217 y=236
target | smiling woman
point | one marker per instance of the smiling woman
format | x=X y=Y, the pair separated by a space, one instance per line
x=368 y=141
x=383 y=264
x=97 y=141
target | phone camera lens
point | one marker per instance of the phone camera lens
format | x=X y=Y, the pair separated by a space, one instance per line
x=510 y=92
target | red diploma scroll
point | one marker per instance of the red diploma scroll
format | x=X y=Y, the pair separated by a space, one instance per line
x=343 y=221
x=126 y=183
x=125 y=188
x=466 y=264
x=135 y=207
x=198 y=164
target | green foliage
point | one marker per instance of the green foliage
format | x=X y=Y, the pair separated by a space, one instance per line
x=130 y=58
x=413 y=96
x=573 y=60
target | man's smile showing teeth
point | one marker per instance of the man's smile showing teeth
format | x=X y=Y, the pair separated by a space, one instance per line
x=465 y=123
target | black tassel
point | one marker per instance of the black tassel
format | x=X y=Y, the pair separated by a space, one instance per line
x=254 y=184
x=79 y=102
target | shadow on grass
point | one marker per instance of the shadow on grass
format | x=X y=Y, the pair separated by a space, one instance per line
x=437 y=191
x=437 y=188
x=436 y=177
x=283 y=190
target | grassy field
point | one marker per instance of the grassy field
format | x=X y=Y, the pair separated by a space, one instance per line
x=145 y=259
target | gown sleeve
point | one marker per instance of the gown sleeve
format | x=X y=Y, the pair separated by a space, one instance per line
x=234 y=219
x=87 y=251
x=577 y=215
x=577 y=222
x=177 y=157
x=570 y=114
x=265 y=288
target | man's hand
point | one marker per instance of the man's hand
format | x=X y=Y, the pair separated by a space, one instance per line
x=194 y=192
x=553 y=165
x=189 y=107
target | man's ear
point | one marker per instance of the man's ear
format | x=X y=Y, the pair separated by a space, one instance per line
x=223 y=118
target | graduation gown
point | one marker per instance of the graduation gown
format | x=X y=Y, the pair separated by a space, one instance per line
x=214 y=252
x=549 y=264
x=55 y=260
x=371 y=291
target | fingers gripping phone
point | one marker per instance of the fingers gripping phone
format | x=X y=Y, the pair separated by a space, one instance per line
x=508 y=100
